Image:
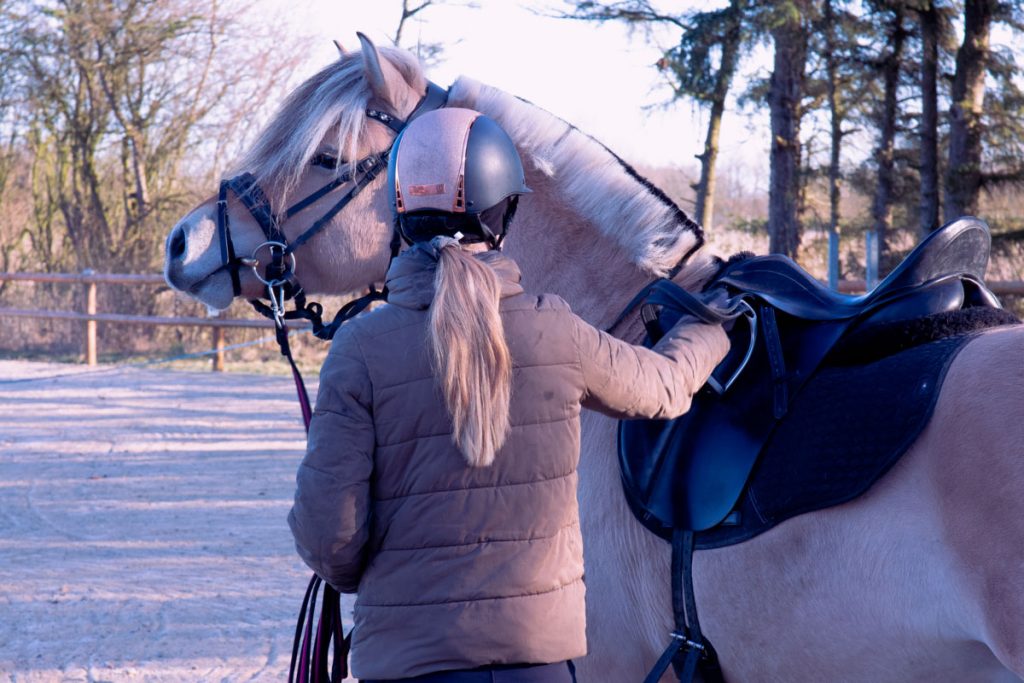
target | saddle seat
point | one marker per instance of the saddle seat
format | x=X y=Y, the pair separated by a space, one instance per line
x=689 y=473
x=956 y=249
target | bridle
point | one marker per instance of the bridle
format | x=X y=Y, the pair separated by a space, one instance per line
x=279 y=275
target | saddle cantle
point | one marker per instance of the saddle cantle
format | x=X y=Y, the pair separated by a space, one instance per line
x=690 y=473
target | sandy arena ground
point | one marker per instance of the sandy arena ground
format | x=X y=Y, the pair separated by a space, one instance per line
x=142 y=525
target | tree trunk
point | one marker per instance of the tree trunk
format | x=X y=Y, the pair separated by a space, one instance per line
x=730 y=45
x=835 y=120
x=784 y=101
x=929 y=131
x=963 y=178
x=881 y=210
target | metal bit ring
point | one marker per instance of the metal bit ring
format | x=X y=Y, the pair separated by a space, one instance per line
x=255 y=262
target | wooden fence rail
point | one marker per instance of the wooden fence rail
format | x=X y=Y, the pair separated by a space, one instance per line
x=90 y=316
x=217 y=324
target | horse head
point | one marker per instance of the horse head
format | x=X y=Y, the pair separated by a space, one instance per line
x=317 y=137
x=593 y=231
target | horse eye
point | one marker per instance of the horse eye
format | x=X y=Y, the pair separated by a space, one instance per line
x=324 y=160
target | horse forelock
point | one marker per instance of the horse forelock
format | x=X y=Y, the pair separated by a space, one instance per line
x=606 y=191
x=330 y=108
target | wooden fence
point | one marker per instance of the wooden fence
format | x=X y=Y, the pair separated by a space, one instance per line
x=91 y=317
x=216 y=324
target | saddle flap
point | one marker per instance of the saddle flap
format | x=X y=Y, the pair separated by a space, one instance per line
x=689 y=472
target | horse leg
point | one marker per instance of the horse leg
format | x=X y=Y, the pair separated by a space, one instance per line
x=978 y=448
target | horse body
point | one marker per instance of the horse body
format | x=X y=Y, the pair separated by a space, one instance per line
x=920 y=579
x=892 y=586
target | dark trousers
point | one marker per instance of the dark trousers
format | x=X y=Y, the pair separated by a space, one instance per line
x=562 y=672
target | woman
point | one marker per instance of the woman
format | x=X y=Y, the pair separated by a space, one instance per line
x=440 y=479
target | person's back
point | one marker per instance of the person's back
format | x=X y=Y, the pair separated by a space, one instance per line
x=459 y=529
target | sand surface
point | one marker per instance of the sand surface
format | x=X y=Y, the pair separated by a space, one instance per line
x=143 y=532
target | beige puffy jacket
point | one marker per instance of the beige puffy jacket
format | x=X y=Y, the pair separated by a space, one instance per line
x=458 y=567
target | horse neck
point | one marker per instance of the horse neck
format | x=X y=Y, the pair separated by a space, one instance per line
x=558 y=251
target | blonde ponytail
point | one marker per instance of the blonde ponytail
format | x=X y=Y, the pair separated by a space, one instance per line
x=470 y=354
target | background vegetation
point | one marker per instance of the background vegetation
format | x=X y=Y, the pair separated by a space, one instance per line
x=116 y=115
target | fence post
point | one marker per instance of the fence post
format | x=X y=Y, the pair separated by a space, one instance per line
x=871 y=259
x=90 y=325
x=218 y=341
x=833 y=259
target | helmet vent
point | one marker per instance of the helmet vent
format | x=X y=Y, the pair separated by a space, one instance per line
x=399 y=202
x=460 y=194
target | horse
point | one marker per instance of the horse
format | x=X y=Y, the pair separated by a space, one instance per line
x=919 y=579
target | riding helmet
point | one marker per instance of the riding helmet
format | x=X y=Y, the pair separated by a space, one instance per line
x=448 y=168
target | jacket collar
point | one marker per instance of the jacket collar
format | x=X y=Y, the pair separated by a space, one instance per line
x=410 y=279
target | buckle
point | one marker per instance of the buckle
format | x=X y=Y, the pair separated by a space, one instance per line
x=366 y=164
x=686 y=644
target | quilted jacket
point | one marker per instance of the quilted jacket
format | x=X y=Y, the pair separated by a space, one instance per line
x=457 y=567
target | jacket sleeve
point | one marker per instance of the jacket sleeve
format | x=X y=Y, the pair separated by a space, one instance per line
x=330 y=516
x=627 y=381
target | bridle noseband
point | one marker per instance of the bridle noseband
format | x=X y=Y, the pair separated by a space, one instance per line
x=279 y=254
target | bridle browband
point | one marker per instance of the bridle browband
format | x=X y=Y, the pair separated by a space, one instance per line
x=279 y=254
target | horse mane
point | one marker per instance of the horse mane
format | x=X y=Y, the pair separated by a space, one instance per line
x=600 y=185
x=329 y=107
x=606 y=191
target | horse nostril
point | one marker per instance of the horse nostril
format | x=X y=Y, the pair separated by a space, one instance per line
x=176 y=245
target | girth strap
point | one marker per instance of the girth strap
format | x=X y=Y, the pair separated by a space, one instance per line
x=688 y=649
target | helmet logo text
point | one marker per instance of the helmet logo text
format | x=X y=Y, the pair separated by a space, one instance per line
x=425 y=190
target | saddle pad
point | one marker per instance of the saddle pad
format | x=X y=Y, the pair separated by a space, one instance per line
x=845 y=430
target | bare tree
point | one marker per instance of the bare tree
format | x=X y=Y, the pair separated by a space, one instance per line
x=963 y=177
x=790 y=38
x=116 y=100
x=702 y=65
x=930 y=26
x=889 y=68
x=427 y=52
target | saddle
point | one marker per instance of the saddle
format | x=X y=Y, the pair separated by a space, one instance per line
x=688 y=480
x=689 y=472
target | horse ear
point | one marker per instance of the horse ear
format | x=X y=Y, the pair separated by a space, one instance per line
x=372 y=67
x=342 y=52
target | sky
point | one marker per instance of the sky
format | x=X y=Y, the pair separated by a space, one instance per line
x=598 y=77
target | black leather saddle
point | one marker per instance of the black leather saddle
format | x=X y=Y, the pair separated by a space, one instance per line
x=689 y=473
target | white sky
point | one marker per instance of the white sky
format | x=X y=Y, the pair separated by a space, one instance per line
x=597 y=77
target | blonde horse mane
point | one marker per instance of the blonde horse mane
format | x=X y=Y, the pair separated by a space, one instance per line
x=603 y=188
x=609 y=194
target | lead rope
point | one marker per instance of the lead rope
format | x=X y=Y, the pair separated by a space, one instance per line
x=312 y=652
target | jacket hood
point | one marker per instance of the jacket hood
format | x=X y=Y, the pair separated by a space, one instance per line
x=410 y=279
